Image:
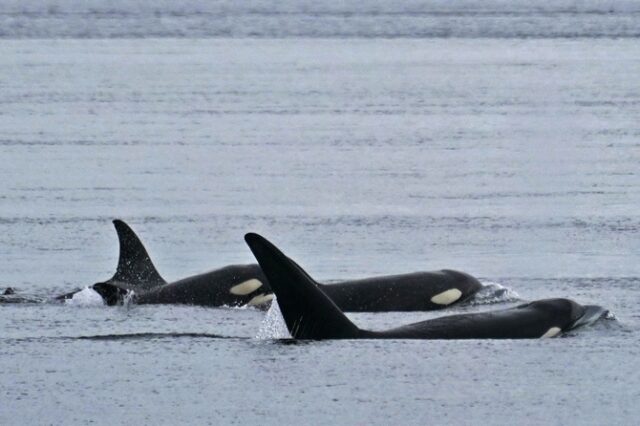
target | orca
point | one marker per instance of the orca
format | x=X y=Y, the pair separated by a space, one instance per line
x=417 y=291
x=239 y=285
x=137 y=277
x=310 y=314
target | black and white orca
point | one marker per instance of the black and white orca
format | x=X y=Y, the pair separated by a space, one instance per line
x=137 y=277
x=239 y=285
x=310 y=314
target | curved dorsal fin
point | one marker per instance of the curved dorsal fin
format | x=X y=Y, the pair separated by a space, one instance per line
x=135 y=268
x=308 y=312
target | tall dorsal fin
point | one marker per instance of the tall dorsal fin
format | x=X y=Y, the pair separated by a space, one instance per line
x=307 y=311
x=135 y=268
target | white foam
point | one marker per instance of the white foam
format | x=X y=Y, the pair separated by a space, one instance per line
x=493 y=292
x=273 y=325
x=86 y=297
x=127 y=300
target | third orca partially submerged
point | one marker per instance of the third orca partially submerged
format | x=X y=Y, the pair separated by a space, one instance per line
x=310 y=314
x=239 y=285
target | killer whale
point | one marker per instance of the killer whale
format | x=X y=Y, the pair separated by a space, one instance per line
x=310 y=314
x=417 y=291
x=239 y=285
x=136 y=276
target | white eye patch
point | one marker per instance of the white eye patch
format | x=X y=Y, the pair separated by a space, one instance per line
x=245 y=287
x=260 y=299
x=447 y=297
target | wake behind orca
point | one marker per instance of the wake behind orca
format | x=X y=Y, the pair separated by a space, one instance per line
x=240 y=285
x=310 y=314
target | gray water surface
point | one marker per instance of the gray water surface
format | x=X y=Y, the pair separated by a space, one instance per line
x=514 y=158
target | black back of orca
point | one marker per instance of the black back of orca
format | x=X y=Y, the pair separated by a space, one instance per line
x=311 y=314
x=541 y=318
x=418 y=291
x=228 y=286
x=233 y=285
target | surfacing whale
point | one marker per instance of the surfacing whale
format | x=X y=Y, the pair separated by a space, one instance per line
x=136 y=277
x=240 y=285
x=310 y=314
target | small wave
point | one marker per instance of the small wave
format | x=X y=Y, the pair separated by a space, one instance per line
x=273 y=325
x=492 y=293
x=263 y=307
x=116 y=337
x=22 y=298
x=128 y=298
x=11 y=296
x=143 y=336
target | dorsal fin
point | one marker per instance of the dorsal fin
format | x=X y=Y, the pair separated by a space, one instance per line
x=135 y=268
x=307 y=311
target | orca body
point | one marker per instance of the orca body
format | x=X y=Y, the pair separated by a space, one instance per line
x=310 y=314
x=137 y=277
x=418 y=291
x=239 y=285
x=233 y=285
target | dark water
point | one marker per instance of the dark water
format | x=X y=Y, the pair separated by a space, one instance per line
x=510 y=152
x=292 y=19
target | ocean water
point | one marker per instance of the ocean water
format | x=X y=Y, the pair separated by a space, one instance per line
x=499 y=138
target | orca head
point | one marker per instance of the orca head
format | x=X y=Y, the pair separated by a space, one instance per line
x=567 y=313
x=9 y=291
x=590 y=314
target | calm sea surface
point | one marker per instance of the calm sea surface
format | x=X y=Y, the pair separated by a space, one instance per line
x=499 y=138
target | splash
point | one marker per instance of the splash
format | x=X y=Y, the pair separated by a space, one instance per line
x=273 y=325
x=492 y=293
x=128 y=299
x=85 y=297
